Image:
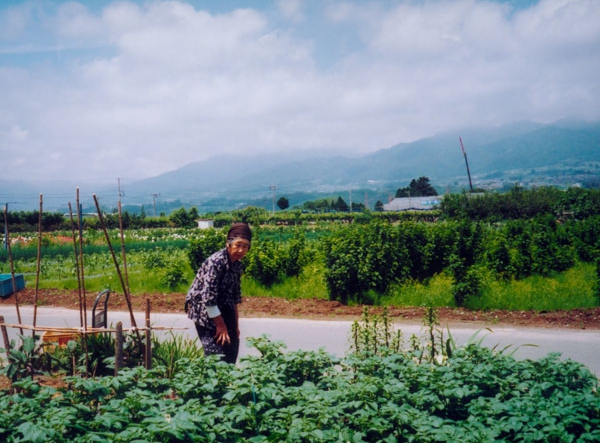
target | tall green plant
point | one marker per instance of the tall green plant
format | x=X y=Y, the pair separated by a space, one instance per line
x=26 y=360
x=166 y=353
x=375 y=335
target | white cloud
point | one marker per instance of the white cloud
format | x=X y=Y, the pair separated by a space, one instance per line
x=139 y=89
x=291 y=9
x=74 y=20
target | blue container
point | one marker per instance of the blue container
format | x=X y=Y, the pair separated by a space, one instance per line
x=6 y=285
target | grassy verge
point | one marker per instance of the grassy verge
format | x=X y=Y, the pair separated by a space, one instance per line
x=568 y=290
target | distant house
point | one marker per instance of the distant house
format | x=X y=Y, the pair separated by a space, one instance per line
x=204 y=223
x=413 y=203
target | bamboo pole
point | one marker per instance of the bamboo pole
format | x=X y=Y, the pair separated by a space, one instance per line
x=12 y=268
x=81 y=262
x=74 y=238
x=112 y=252
x=37 y=270
x=123 y=254
x=90 y=331
x=148 y=353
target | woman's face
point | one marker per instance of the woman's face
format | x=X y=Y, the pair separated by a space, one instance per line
x=238 y=248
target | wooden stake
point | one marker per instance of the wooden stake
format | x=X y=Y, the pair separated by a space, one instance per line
x=4 y=335
x=79 y=224
x=37 y=271
x=118 y=348
x=12 y=269
x=123 y=255
x=148 y=353
x=112 y=252
x=74 y=238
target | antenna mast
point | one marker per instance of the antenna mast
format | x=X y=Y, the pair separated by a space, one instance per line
x=467 y=163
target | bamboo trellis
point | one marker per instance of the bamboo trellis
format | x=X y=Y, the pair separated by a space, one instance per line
x=83 y=330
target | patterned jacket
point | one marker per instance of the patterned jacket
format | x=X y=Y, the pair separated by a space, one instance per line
x=217 y=283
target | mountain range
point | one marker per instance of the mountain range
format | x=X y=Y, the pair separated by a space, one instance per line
x=564 y=153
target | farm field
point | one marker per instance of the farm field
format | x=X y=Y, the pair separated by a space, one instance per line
x=424 y=389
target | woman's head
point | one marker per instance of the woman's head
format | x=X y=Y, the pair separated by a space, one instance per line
x=239 y=230
x=239 y=238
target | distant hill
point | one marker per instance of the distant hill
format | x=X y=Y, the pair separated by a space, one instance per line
x=564 y=153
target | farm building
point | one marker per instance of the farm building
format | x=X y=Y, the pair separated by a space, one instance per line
x=204 y=223
x=412 y=203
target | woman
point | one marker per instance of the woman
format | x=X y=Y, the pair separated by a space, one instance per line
x=215 y=293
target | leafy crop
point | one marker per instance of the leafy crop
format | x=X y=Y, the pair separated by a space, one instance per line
x=25 y=360
x=475 y=395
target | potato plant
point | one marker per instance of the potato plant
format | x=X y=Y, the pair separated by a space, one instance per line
x=475 y=395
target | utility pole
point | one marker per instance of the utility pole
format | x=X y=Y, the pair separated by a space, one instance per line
x=273 y=188
x=350 y=197
x=121 y=193
x=467 y=163
x=154 y=202
x=6 y=226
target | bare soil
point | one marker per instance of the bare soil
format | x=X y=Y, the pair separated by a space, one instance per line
x=317 y=309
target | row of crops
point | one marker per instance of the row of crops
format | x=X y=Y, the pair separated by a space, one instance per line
x=421 y=391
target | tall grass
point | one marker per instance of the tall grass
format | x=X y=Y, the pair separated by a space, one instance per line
x=309 y=284
x=167 y=351
x=435 y=293
x=569 y=290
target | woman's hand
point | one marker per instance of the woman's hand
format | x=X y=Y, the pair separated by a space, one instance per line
x=222 y=336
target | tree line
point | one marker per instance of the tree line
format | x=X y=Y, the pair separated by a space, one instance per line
x=518 y=203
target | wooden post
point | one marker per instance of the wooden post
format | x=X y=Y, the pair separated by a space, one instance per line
x=38 y=264
x=148 y=353
x=4 y=335
x=118 y=348
x=82 y=320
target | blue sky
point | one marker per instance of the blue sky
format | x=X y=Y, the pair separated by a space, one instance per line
x=94 y=90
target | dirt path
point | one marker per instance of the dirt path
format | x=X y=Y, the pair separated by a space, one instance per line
x=318 y=309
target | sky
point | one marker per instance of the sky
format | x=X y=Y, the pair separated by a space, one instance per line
x=92 y=91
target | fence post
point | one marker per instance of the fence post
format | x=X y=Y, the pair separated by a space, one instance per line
x=4 y=335
x=118 y=348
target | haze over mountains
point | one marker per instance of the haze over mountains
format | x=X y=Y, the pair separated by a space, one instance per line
x=565 y=153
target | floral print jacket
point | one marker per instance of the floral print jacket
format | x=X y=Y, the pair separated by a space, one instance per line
x=217 y=283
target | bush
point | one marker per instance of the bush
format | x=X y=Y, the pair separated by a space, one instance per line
x=204 y=245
